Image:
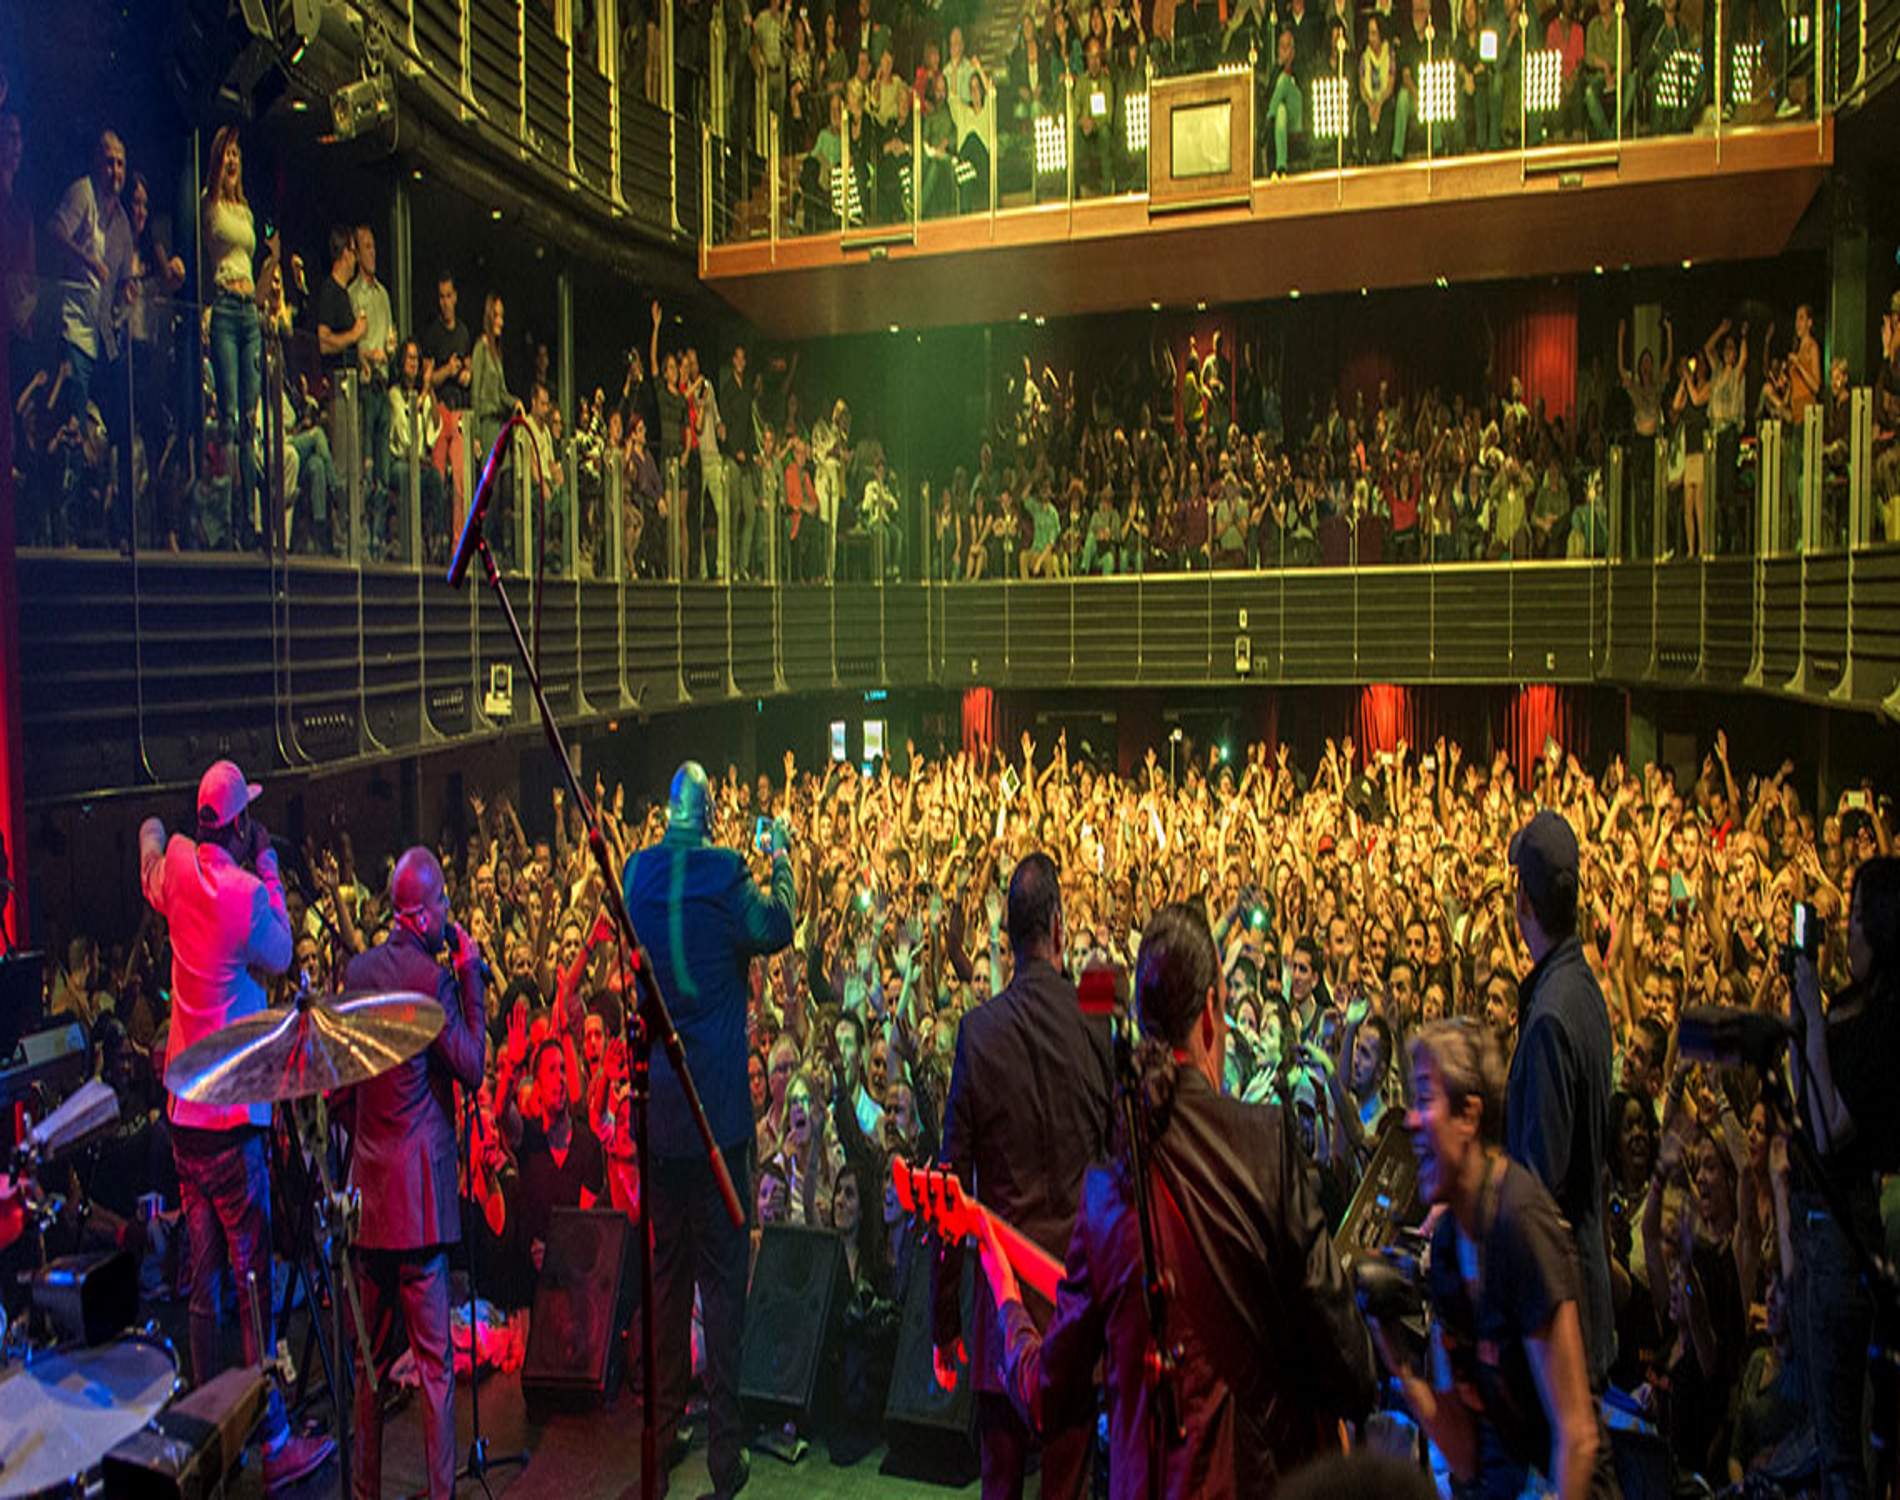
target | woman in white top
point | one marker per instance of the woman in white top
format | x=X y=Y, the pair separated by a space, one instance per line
x=230 y=247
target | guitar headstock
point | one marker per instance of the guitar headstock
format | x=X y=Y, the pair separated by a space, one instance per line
x=937 y=1198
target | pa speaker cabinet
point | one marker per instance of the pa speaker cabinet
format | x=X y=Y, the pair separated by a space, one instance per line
x=789 y=1316
x=931 y=1431
x=582 y=1304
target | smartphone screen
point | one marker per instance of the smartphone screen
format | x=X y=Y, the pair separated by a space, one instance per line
x=762 y=835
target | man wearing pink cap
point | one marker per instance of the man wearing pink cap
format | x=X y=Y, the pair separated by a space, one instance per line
x=222 y=898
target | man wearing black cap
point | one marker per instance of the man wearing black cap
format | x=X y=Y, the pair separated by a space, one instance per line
x=702 y=919
x=1557 y=1103
x=222 y=899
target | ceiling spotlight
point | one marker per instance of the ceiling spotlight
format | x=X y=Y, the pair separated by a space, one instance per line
x=1154 y=307
x=298 y=106
x=1040 y=320
x=893 y=328
x=1686 y=264
x=1294 y=293
x=1200 y=307
x=1023 y=317
x=495 y=214
x=1442 y=283
x=1599 y=268
x=357 y=106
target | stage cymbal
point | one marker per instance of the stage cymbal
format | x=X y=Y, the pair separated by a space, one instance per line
x=278 y=1055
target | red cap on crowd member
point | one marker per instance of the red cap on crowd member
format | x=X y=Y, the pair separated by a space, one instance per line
x=1101 y=990
x=1325 y=843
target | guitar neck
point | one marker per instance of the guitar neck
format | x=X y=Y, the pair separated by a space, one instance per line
x=1034 y=1266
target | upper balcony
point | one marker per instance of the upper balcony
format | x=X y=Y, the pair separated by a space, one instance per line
x=1495 y=153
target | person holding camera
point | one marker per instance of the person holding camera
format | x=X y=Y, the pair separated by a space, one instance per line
x=1510 y=1388
x=1847 y=1048
x=223 y=900
x=703 y=919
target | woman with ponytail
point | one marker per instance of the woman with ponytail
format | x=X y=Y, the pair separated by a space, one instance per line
x=1272 y=1351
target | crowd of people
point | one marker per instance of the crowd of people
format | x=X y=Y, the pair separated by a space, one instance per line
x=856 y=92
x=713 y=466
x=1353 y=903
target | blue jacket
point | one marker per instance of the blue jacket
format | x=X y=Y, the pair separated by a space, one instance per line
x=1557 y=1119
x=702 y=918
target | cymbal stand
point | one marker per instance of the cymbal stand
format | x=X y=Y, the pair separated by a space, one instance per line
x=333 y=1224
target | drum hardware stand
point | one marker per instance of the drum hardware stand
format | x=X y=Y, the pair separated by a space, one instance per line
x=332 y=1227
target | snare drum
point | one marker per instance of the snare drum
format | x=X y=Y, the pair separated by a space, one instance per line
x=62 y=1411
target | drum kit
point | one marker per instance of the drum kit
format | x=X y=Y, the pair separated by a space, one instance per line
x=65 y=1407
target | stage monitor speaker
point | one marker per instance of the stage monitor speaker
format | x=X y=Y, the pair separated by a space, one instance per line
x=789 y=1318
x=930 y=1431
x=583 y=1303
x=191 y=1448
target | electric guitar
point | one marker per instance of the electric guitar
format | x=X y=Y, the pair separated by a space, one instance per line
x=937 y=1198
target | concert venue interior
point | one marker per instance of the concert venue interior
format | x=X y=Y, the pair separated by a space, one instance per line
x=1365 y=472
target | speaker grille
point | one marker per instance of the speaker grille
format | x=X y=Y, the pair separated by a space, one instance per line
x=789 y=1318
x=580 y=1303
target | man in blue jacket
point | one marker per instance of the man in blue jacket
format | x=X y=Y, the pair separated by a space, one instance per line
x=1557 y=1104
x=702 y=919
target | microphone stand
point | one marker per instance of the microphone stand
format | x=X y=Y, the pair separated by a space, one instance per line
x=648 y=1019
x=1165 y=1428
x=479 y=1462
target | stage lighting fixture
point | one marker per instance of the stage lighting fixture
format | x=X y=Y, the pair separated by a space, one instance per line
x=1052 y=146
x=1488 y=45
x=1233 y=69
x=357 y=106
x=1543 y=81
x=1800 y=29
x=1681 y=76
x=1438 y=92
x=1135 y=122
x=1332 y=114
x=966 y=171
x=1748 y=61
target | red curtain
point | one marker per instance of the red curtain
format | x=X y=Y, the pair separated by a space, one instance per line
x=1537 y=342
x=1388 y=713
x=1538 y=711
x=979 y=720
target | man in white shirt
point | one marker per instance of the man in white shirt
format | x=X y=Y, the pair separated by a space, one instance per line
x=375 y=357
x=94 y=242
x=224 y=903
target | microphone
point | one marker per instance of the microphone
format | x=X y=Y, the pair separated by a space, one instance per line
x=1726 y=1034
x=478 y=507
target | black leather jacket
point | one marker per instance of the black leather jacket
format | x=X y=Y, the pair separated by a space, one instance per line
x=1273 y=1348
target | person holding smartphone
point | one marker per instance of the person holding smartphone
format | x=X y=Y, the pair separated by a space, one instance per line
x=403 y=1165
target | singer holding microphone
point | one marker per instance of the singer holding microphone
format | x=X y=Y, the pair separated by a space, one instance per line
x=403 y=1163
x=221 y=897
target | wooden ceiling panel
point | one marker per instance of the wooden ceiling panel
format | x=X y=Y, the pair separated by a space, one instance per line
x=1556 y=211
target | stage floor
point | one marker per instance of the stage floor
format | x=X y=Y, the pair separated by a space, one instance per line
x=596 y=1456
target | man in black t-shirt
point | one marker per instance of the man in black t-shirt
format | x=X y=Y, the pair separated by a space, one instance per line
x=561 y=1165
x=339 y=326
x=447 y=345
